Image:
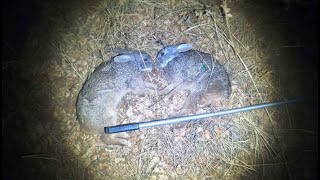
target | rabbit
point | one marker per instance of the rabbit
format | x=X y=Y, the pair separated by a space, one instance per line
x=198 y=72
x=102 y=92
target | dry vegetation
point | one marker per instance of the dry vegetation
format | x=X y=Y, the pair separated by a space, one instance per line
x=227 y=147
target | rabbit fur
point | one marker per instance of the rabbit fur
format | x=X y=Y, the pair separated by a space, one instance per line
x=98 y=100
x=195 y=71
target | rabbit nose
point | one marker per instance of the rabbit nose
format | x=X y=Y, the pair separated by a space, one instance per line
x=159 y=65
x=157 y=70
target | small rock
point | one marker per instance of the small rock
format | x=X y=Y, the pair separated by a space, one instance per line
x=144 y=23
x=153 y=177
x=234 y=87
x=182 y=132
x=142 y=136
x=207 y=135
x=93 y=158
x=225 y=102
x=117 y=160
x=199 y=129
x=167 y=22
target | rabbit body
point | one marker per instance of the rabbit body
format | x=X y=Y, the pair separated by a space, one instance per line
x=101 y=94
x=196 y=71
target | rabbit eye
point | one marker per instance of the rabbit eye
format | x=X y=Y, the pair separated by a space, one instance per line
x=162 y=54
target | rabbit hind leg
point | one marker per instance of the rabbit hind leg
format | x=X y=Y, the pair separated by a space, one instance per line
x=120 y=139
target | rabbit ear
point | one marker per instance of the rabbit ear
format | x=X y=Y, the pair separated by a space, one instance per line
x=184 y=47
x=122 y=58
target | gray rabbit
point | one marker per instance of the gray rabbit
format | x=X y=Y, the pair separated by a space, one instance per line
x=196 y=71
x=102 y=92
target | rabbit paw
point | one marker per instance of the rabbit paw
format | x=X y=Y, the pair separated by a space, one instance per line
x=120 y=139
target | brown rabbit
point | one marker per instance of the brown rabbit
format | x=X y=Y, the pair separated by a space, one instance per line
x=196 y=71
x=102 y=92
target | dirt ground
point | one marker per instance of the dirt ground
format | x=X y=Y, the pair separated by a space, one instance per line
x=251 y=40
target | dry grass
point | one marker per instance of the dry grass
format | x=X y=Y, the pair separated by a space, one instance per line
x=222 y=148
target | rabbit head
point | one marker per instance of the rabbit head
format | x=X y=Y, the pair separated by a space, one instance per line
x=139 y=59
x=168 y=53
